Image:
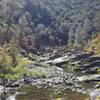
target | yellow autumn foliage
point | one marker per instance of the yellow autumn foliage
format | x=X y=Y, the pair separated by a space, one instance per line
x=94 y=46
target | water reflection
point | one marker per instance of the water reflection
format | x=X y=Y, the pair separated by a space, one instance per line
x=32 y=93
x=28 y=92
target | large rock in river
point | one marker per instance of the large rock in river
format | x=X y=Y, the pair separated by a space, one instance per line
x=95 y=95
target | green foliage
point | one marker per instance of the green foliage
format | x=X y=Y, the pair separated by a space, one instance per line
x=70 y=46
x=94 y=45
x=98 y=71
x=35 y=73
x=51 y=22
x=12 y=66
x=13 y=51
x=9 y=72
x=13 y=72
x=75 y=47
x=5 y=62
x=22 y=69
x=71 y=66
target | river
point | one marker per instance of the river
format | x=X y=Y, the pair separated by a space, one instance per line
x=28 y=92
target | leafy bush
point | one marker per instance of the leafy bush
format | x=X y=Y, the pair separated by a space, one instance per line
x=94 y=45
x=71 y=66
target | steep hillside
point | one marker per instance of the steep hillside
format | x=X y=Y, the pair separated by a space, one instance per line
x=49 y=22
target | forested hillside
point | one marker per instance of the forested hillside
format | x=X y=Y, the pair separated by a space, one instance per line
x=49 y=45
x=49 y=22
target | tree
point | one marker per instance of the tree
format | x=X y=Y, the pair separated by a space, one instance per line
x=13 y=51
x=8 y=50
x=94 y=45
x=71 y=35
x=8 y=26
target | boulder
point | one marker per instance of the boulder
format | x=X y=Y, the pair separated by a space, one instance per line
x=93 y=58
x=87 y=77
x=93 y=64
x=58 y=61
x=95 y=95
x=82 y=56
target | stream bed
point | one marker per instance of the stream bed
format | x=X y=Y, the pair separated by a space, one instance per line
x=29 y=92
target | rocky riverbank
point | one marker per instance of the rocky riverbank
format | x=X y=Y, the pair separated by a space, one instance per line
x=55 y=76
x=87 y=72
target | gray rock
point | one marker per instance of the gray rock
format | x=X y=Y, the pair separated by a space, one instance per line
x=95 y=94
x=87 y=77
x=1 y=89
